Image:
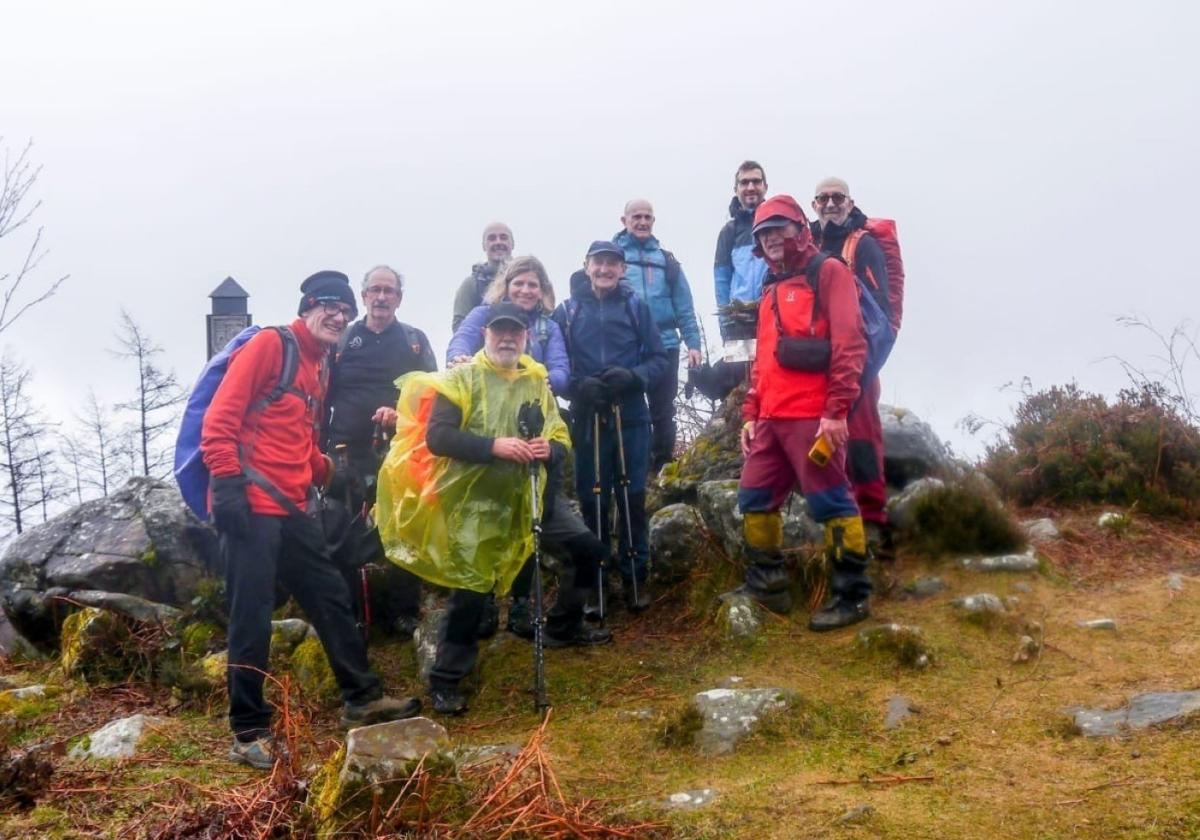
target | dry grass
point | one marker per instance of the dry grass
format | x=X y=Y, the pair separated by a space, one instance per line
x=989 y=755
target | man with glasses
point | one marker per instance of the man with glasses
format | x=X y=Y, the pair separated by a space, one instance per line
x=738 y=273
x=840 y=229
x=371 y=355
x=498 y=246
x=263 y=459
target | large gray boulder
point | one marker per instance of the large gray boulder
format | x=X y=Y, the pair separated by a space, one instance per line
x=718 y=505
x=141 y=540
x=678 y=542
x=911 y=448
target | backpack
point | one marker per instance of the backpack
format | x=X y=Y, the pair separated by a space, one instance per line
x=190 y=472
x=884 y=232
x=673 y=269
x=876 y=326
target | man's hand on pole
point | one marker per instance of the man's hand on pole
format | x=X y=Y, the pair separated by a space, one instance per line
x=514 y=449
x=385 y=417
x=541 y=448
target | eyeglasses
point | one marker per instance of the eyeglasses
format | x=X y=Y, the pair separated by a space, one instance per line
x=824 y=198
x=750 y=182
x=381 y=291
x=338 y=309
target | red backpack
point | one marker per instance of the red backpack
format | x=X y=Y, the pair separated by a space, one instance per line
x=884 y=231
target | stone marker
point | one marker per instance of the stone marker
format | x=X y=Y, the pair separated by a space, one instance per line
x=730 y=714
x=740 y=616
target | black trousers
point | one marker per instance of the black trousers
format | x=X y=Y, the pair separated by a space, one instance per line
x=290 y=549
x=662 y=413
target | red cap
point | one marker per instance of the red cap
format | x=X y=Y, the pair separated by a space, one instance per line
x=776 y=212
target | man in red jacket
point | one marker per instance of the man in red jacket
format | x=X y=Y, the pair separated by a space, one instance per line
x=805 y=378
x=264 y=459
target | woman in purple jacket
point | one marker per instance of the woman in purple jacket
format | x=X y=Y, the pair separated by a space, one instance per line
x=526 y=284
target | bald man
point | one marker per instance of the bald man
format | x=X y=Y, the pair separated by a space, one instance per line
x=658 y=279
x=497 y=247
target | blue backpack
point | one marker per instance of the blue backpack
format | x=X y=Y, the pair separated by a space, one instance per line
x=190 y=472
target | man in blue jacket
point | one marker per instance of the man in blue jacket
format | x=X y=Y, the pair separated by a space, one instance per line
x=616 y=357
x=738 y=274
x=657 y=278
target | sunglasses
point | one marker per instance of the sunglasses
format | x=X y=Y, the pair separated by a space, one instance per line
x=824 y=198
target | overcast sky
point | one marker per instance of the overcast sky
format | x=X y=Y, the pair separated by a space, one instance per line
x=1039 y=158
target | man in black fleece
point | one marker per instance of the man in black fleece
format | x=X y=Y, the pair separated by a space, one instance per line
x=447 y=437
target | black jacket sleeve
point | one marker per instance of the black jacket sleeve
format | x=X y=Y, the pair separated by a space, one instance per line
x=445 y=438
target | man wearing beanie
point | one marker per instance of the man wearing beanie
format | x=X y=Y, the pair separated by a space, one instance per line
x=803 y=382
x=263 y=458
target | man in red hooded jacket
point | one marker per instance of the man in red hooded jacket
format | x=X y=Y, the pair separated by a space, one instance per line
x=263 y=459
x=805 y=378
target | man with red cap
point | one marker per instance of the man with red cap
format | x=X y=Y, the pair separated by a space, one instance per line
x=804 y=380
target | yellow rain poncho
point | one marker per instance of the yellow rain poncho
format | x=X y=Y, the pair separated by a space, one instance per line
x=450 y=522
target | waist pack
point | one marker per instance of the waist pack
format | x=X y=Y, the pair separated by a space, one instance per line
x=812 y=353
x=190 y=472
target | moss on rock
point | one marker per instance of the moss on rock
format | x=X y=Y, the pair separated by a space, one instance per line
x=311 y=669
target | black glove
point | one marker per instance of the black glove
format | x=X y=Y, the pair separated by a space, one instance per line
x=621 y=380
x=594 y=392
x=230 y=506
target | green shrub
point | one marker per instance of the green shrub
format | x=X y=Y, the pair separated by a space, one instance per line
x=1068 y=446
x=964 y=517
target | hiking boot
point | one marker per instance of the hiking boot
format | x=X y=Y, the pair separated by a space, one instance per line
x=838 y=612
x=778 y=602
x=405 y=626
x=639 y=602
x=879 y=541
x=579 y=635
x=377 y=711
x=520 y=618
x=489 y=618
x=261 y=753
x=447 y=701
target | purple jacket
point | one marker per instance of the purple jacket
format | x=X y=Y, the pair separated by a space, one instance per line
x=546 y=344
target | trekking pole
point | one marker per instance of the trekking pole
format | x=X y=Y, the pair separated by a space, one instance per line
x=629 y=549
x=596 y=498
x=530 y=422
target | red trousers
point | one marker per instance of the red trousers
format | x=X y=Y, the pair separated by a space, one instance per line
x=864 y=455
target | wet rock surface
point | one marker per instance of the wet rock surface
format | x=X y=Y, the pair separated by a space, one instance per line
x=729 y=715
x=1143 y=710
x=118 y=739
x=130 y=606
x=912 y=449
x=678 y=541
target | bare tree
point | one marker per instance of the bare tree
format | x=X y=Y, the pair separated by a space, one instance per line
x=17 y=207
x=153 y=407
x=23 y=460
x=95 y=449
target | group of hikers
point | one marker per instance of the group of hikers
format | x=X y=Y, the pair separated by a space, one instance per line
x=334 y=443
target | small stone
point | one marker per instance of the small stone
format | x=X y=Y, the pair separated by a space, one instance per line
x=979 y=603
x=858 y=813
x=1022 y=587
x=1027 y=649
x=925 y=587
x=729 y=715
x=732 y=681
x=1011 y=602
x=636 y=714
x=1041 y=530
x=288 y=633
x=1098 y=624
x=1112 y=520
x=1027 y=562
x=1175 y=582
x=740 y=615
x=898 y=710
x=118 y=739
x=468 y=756
x=944 y=740
x=690 y=799
x=29 y=692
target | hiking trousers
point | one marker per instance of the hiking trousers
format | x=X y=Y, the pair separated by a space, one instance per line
x=290 y=549
x=661 y=399
x=864 y=454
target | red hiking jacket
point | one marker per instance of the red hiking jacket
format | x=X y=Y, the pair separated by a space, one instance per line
x=281 y=440
x=777 y=392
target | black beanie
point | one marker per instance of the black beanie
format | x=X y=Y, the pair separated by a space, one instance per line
x=327 y=287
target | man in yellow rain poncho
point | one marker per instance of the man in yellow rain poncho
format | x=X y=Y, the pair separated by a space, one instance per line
x=454 y=504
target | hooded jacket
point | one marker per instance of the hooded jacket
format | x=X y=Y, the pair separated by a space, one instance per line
x=670 y=303
x=470 y=292
x=738 y=274
x=616 y=330
x=545 y=343
x=281 y=440
x=781 y=393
